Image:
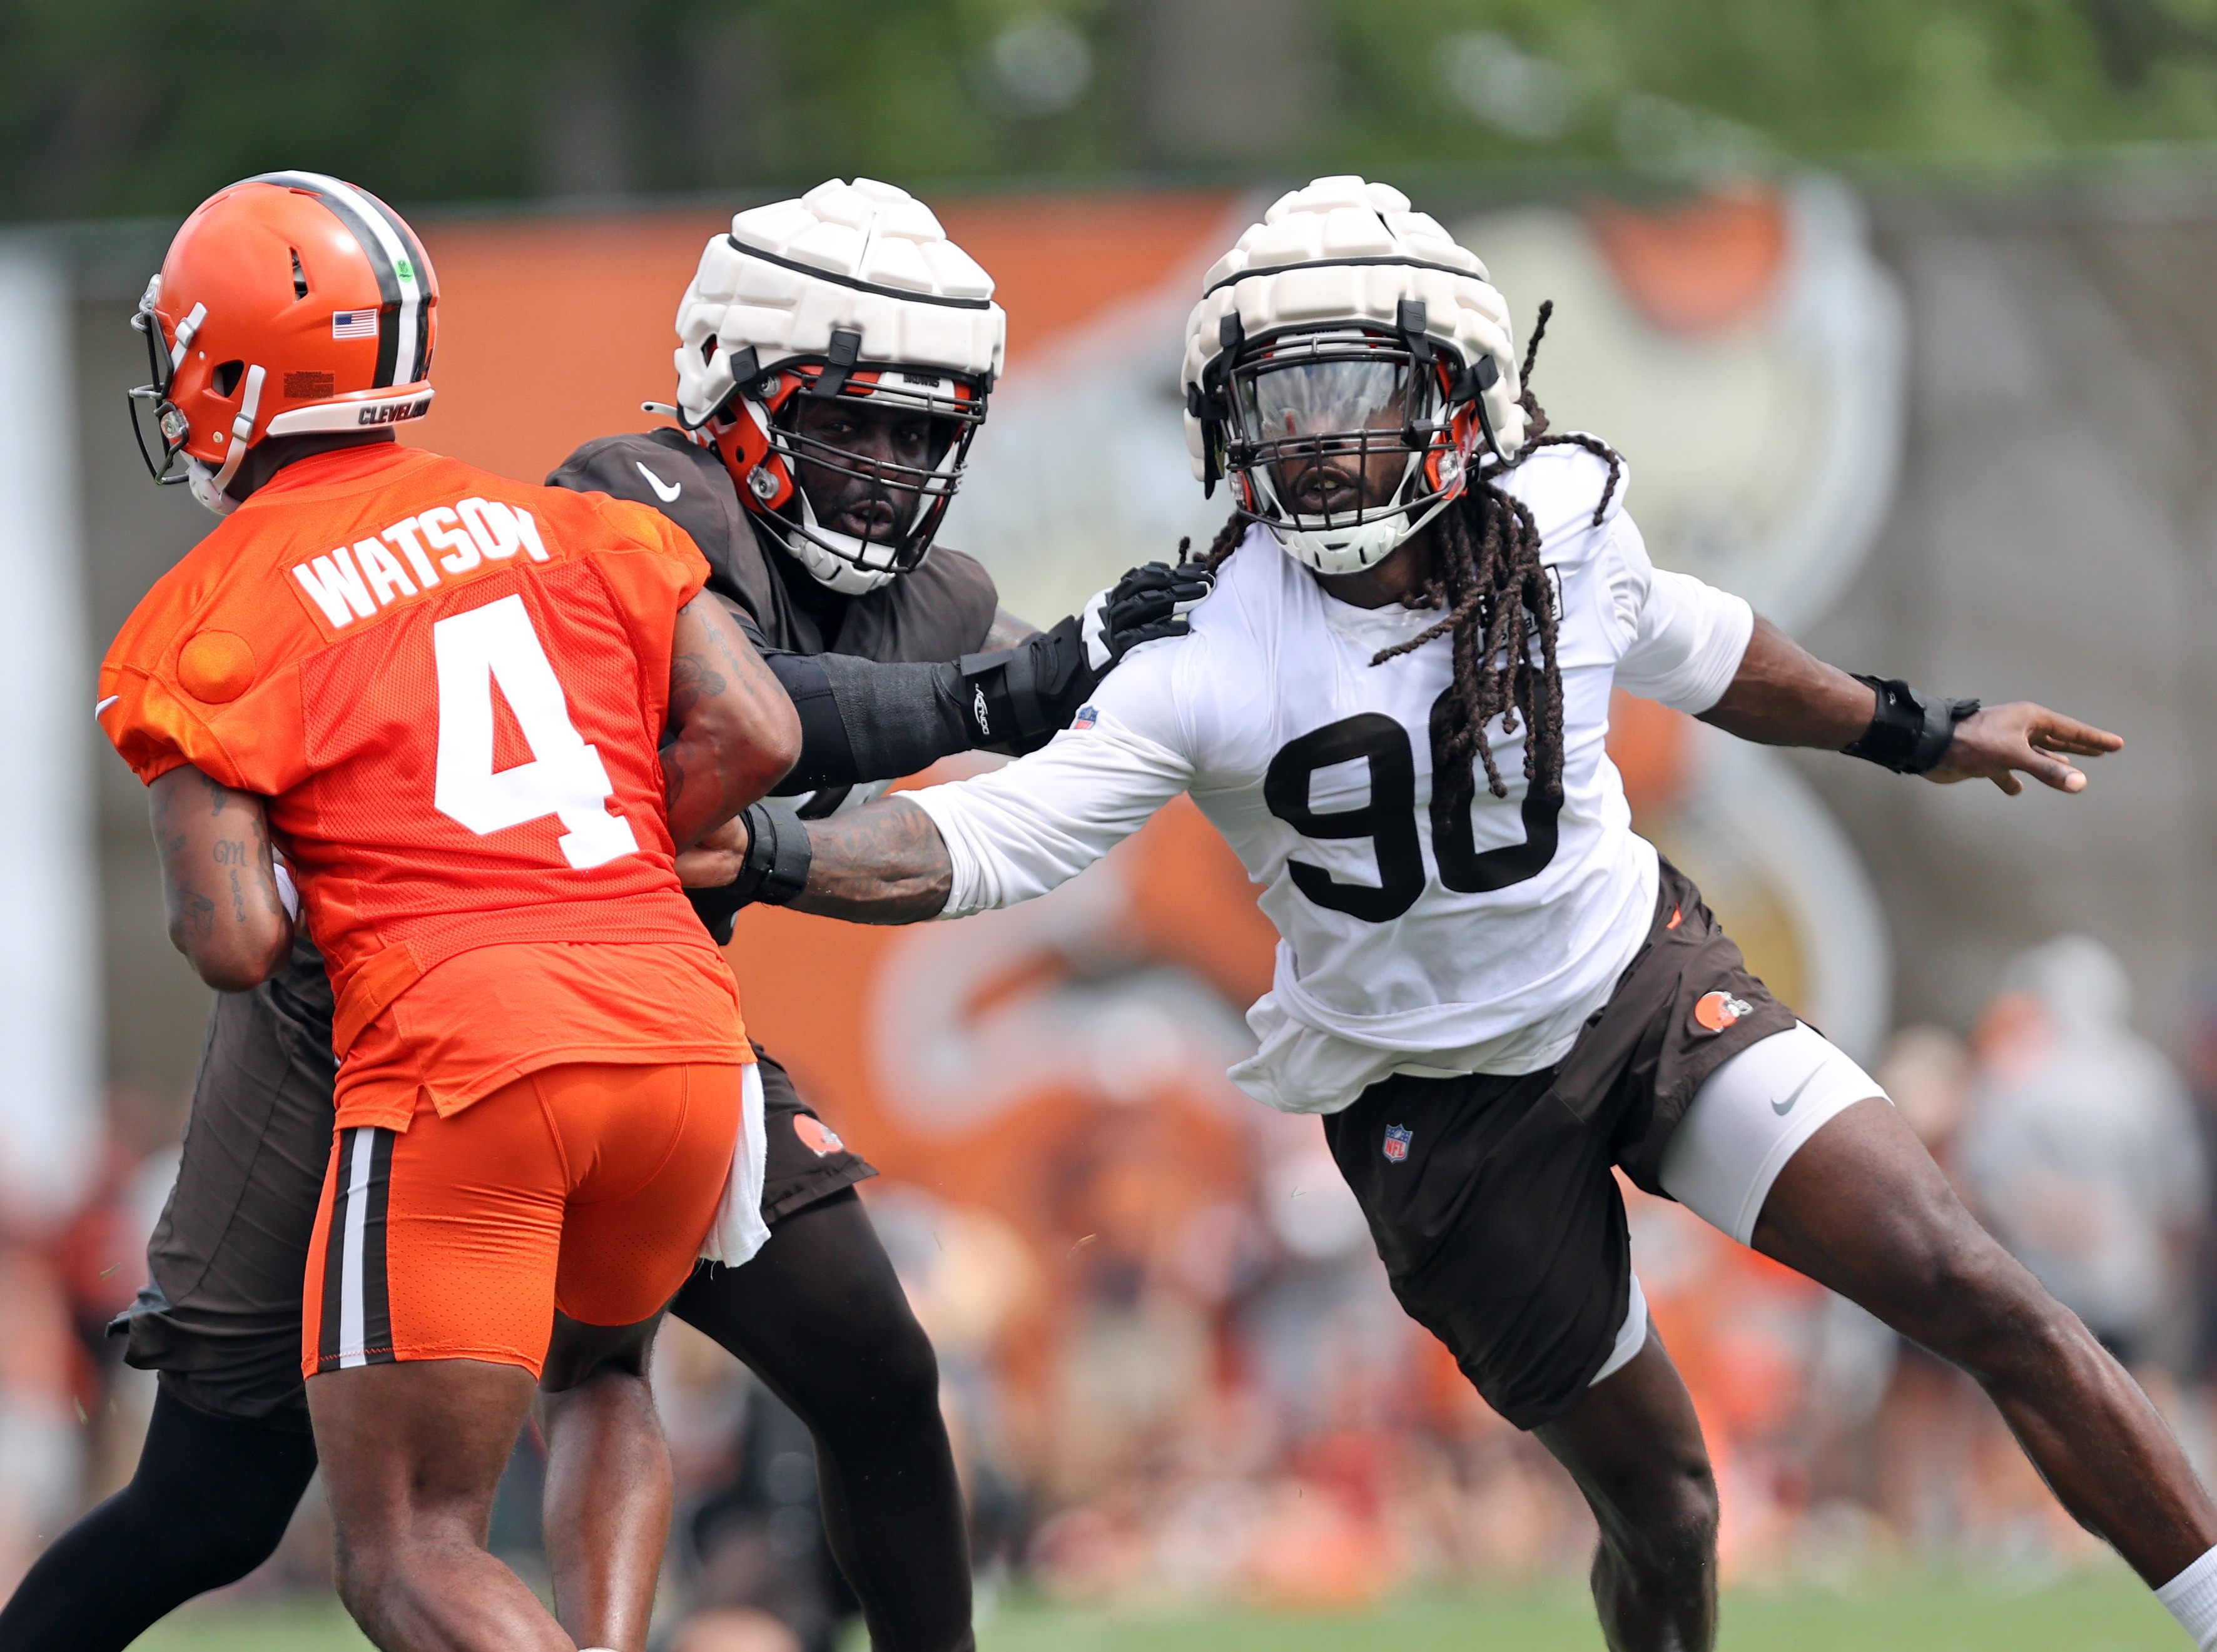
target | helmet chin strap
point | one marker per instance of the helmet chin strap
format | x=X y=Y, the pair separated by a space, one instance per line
x=241 y=429
x=830 y=564
x=201 y=482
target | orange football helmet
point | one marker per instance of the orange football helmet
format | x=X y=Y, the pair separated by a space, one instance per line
x=288 y=303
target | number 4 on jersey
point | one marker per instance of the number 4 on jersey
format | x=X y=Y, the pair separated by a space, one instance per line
x=566 y=778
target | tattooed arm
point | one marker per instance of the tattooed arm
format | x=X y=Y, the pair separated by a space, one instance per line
x=1000 y=839
x=885 y=863
x=737 y=733
x=225 y=913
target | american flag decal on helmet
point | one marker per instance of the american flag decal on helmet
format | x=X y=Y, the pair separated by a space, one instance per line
x=399 y=323
x=353 y=324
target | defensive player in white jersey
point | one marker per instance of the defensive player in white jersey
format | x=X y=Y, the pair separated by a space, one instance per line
x=1488 y=987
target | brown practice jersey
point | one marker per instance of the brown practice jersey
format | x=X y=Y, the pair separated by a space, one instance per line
x=938 y=610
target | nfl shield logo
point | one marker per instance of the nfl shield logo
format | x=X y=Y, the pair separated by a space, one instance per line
x=1397 y=1141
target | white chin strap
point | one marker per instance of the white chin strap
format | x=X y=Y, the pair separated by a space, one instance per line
x=208 y=486
x=204 y=487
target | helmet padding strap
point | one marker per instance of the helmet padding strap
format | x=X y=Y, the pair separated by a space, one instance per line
x=242 y=428
x=838 y=362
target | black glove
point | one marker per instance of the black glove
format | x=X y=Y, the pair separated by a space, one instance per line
x=1146 y=605
x=1020 y=696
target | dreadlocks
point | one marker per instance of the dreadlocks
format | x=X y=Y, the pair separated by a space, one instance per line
x=1483 y=569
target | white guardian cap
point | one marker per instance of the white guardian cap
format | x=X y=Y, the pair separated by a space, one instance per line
x=851 y=294
x=1346 y=327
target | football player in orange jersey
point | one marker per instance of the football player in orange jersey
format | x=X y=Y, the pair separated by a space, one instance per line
x=440 y=693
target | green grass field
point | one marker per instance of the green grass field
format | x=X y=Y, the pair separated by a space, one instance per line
x=2100 y=1613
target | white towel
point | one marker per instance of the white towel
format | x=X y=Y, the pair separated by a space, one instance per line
x=738 y=1230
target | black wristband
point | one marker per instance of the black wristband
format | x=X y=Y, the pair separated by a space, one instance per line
x=775 y=872
x=1908 y=733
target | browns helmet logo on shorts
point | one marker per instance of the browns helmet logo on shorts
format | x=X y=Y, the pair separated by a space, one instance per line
x=1715 y=1011
x=815 y=1135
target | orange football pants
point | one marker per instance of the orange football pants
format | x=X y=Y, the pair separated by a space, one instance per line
x=586 y=1188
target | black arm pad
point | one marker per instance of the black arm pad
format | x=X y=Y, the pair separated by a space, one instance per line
x=776 y=871
x=861 y=720
x=1019 y=698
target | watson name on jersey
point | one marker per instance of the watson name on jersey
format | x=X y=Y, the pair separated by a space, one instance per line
x=1413 y=938
x=450 y=687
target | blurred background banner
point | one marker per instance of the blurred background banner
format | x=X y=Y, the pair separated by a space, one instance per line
x=1899 y=317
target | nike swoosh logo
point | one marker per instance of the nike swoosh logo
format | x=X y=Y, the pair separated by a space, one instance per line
x=105 y=704
x=663 y=491
x=1782 y=1108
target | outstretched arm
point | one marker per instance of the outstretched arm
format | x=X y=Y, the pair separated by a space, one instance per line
x=864 y=720
x=225 y=915
x=737 y=734
x=1784 y=695
x=885 y=863
x=993 y=841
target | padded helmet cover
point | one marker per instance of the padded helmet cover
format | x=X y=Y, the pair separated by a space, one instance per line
x=1343 y=254
x=861 y=275
x=864 y=257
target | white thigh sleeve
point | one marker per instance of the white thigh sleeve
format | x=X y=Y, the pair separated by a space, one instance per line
x=1752 y=1115
x=1631 y=1336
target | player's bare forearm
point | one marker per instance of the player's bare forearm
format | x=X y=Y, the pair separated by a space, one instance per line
x=885 y=863
x=225 y=915
x=737 y=733
x=1784 y=695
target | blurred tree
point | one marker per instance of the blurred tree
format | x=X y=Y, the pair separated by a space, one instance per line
x=1671 y=86
x=121 y=105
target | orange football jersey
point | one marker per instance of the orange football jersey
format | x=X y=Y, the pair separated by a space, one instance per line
x=451 y=688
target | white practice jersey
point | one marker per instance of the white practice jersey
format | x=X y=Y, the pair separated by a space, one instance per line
x=1412 y=939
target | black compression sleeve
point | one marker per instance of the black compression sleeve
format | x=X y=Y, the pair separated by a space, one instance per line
x=210 y=1498
x=864 y=720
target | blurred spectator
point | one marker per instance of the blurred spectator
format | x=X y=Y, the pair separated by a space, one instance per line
x=2081 y=1146
x=2202 y=1081
x=41 y=1422
x=1921 y=1475
x=1927 y=1072
x=99 y=1256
